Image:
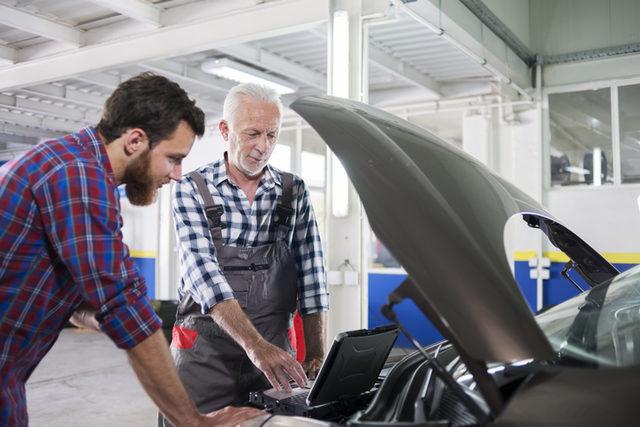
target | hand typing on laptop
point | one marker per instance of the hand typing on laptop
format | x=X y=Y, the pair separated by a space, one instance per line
x=295 y=390
x=350 y=369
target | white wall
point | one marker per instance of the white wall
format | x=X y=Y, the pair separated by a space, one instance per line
x=207 y=149
x=140 y=227
x=561 y=26
x=477 y=135
x=607 y=218
x=514 y=14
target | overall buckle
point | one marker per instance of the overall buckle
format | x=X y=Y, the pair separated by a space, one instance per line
x=214 y=216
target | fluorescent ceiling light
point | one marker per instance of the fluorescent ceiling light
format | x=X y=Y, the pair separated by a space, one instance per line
x=232 y=70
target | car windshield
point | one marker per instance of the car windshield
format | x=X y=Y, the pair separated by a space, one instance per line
x=600 y=327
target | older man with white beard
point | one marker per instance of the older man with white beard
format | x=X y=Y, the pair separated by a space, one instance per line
x=250 y=255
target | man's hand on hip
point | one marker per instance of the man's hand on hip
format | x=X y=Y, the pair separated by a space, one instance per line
x=277 y=365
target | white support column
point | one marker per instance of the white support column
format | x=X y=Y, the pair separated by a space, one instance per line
x=615 y=137
x=166 y=252
x=344 y=234
x=476 y=136
x=296 y=150
x=542 y=150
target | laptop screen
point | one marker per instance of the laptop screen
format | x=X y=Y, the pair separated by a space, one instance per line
x=353 y=364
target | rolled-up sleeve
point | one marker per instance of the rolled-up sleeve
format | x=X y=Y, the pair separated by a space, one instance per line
x=81 y=217
x=201 y=274
x=307 y=247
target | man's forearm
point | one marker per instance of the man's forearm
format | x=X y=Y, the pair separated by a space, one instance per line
x=154 y=367
x=314 y=333
x=234 y=322
x=276 y=364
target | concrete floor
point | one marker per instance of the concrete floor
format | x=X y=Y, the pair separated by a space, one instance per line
x=86 y=381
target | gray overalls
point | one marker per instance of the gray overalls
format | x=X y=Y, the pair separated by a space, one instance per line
x=216 y=370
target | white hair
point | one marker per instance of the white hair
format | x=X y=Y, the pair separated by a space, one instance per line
x=250 y=90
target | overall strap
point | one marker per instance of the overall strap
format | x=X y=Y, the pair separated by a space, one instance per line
x=284 y=211
x=212 y=211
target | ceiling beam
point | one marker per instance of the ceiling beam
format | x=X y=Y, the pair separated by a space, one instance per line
x=128 y=28
x=590 y=73
x=277 y=64
x=8 y=55
x=31 y=23
x=48 y=109
x=38 y=122
x=182 y=74
x=203 y=10
x=136 y=9
x=14 y=129
x=179 y=39
x=397 y=67
x=20 y=139
x=404 y=71
x=111 y=81
x=455 y=24
x=65 y=94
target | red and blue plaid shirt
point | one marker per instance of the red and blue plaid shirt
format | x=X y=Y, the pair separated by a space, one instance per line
x=60 y=247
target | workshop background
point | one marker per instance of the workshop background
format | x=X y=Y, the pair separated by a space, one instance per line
x=544 y=92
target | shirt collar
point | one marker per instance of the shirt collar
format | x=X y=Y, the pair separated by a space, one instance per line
x=89 y=139
x=220 y=172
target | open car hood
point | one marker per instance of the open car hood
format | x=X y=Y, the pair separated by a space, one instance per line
x=442 y=215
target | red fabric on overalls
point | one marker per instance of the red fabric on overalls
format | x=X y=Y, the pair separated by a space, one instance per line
x=183 y=338
x=296 y=337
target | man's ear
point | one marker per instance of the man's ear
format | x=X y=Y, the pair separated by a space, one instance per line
x=135 y=140
x=223 y=126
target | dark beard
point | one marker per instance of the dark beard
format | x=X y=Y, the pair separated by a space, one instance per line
x=140 y=187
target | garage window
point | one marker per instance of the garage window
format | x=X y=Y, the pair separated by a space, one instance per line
x=594 y=134
x=629 y=114
x=581 y=144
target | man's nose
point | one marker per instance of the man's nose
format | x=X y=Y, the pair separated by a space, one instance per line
x=176 y=173
x=263 y=143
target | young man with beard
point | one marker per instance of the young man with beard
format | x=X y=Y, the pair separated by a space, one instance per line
x=250 y=254
x=61 y=246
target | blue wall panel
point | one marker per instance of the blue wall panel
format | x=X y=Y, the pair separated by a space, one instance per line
x=380 y=286
x=556 y=290
x=147 y=268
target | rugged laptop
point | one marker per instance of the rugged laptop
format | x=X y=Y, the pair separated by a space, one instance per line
x=349 y=371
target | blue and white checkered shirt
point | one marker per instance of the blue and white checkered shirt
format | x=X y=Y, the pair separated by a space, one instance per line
x=246 y=226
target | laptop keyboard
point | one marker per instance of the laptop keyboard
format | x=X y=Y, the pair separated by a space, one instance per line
x=298 y=399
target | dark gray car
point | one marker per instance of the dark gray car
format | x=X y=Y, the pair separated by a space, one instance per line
x=442 y=215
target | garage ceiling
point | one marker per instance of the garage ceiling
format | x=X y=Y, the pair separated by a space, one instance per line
x=60 y=59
